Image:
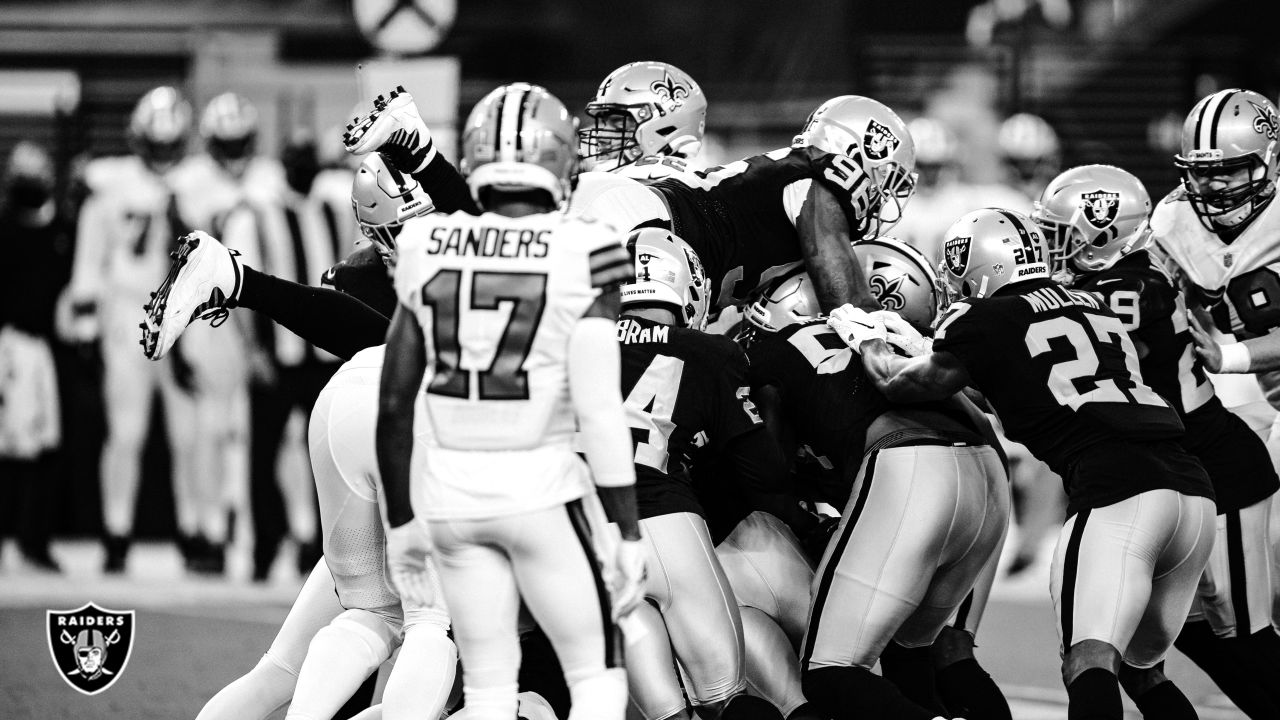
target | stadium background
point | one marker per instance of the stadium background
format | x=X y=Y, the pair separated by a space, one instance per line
x=1113 y=77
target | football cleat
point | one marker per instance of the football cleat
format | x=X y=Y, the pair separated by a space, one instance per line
x=203 y=284
x=394 y=128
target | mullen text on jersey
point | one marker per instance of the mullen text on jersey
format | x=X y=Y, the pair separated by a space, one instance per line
x=1052 y=298
x=488 y=242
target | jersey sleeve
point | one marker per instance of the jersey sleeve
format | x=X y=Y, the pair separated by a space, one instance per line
x=961 y=333
x=735 y=413
x=608 y=261
x=407 y=278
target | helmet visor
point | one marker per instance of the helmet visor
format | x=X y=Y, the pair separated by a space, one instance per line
x=383 y=237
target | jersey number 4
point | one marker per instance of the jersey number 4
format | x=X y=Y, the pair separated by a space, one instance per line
x=1105 y=367
x=505 y=378
x=650 y=406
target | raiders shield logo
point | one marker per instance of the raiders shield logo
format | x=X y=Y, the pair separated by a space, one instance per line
x=1100 y=208
x=956 y=253
x=879 y=140
x=90 y=645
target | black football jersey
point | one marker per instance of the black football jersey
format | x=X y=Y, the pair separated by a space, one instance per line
x=1142 y=294
x=827 y=400
x=736 y=217
x=683 y=390
x=1060 y=370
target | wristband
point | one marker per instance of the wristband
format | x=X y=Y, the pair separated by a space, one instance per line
x=1235 y=358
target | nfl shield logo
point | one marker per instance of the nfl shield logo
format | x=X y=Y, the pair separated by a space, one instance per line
x=90 y=645
x=956 y=254
x=1100 y=208
x=879 y=140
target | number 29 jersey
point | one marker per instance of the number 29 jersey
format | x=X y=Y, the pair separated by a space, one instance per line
x=1063 y=376
x=497 y=299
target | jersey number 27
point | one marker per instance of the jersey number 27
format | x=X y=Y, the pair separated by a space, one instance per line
x=1097 y=373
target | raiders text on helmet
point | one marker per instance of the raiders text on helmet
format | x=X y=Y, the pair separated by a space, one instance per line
x=644 y=109
x=383 y=199
x=1228 y=157
x=158 y=127
x=901 y=279
x=1092 y=215
x=520 y=137
x=229 y=126
x=668 y=272
x=873 y=136
x=990 y=248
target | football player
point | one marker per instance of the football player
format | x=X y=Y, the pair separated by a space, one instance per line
x=648 y=121
x=126 y=228
x=839 y=418
x=685 y=396
x=1094 y=217
x=514 y=313
x=1062 y=373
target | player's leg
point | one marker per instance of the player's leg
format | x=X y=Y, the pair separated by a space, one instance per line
x=183 y=431
x=872 y=577
x=964 y=686
x=128 y=388
x=653 y=685
x=980 y=520
x=339 y=659
x=772 y=667
x=574 y=610
x=269 y=411
x=424 y=673
x=480 y=590
x=1178 y=569
x=270 y=684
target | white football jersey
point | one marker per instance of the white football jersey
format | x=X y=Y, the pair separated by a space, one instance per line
x=125 y=231
x=618 y=199
x=1244 y=273
x=497 y=299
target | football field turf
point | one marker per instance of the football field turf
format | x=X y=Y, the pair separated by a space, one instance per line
x=193 y=636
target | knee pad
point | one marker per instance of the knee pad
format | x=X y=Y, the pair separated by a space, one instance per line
x=431 y=615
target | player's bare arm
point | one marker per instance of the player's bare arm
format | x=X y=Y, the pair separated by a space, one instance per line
x=1260 y=354
x=824 y=242
x=935 y=376
x=402 y=372
x=594 y=367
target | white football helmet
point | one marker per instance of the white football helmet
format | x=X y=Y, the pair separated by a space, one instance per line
x=643 y=109
x=902 y=279
x=1030 y=146
x=990 y=248
x=668 y=273
x=1228 y=157
x=229 y=126
x=789 y=300
x=520 y=137
x=159 y=126
x=873 y=136
x=1092 y=215
x=384 y=199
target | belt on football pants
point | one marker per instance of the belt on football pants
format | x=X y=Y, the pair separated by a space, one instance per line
x=909 y=437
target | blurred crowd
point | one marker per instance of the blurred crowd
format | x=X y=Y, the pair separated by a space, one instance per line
x=233 y=404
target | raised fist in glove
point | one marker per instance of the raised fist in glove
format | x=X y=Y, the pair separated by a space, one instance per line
x=856 y=326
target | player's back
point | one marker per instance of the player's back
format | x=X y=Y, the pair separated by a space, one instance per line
x=741 y=217
x=1063 y=375
x=498 y=298
x=684 y=390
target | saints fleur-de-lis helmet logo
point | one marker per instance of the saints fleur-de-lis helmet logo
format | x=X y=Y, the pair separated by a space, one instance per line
x=669 y=90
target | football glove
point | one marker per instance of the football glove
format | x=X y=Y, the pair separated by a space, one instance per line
x=408 y=547
x=625 y=577
x=856 y=326
x=902 y=335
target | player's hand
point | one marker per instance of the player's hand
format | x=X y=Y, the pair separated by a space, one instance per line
x=408 y=548
x=1206 y=348
x=625 y=577
x=856 y=326
x=902 y=334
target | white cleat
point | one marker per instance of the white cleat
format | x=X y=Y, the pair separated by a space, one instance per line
x=203 y=284
x=394 y=128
